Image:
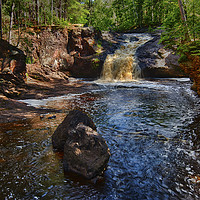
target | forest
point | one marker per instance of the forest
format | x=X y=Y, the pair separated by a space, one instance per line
x=179 y=19
x=99 y=99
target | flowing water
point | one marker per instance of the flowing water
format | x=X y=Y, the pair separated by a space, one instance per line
x=151 y=127
x=123 y=65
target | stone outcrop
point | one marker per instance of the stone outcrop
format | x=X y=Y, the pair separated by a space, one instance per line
x=83 y=47
x=85 y=151
x=191 y=66
x=12 y=69
x=158 y=62
x=66 y=128
x=79 y=52
x=64 y=50
x=44 y=74
x=54 y=54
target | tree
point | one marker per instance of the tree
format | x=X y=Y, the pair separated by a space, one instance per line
x=11 y=22
x=37 y=11
x=0 y=19
x=51 y=11
x=182 y=11
x=183 y=18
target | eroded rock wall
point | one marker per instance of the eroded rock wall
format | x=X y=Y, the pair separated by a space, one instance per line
x=12 y=69
x=158 y=62
x=78 y=52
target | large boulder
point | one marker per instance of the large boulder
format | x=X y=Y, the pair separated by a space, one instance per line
x=67 y=127
x=158 y=62
x=85 y=151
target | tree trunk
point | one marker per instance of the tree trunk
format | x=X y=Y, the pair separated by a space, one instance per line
x=182 y=11
x=65 y=11
x=184 y=19
x=11 y=22
x=30 y=13
x=60 y=9
x=0 y=20
x=37 y=11
x=51 y=12
x=19 y=23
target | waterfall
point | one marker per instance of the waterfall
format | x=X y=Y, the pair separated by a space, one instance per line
x=123 y=64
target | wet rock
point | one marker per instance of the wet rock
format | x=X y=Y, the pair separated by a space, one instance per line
x=86 y=67
x=111 y=41
x=85 y=151
x=155 y=61
x=132 y=39
x=172 y=60
x=67 y=127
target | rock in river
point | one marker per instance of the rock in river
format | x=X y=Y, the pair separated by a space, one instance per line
x=85 y=151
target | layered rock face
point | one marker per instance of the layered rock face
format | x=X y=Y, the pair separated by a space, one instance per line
x=12 y=68
x=191 y=67
x=54 y=54
x=75 y=52
x=85 y=151
x=157 y=62
x=79 y=52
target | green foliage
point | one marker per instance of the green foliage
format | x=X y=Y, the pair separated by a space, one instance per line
x=182 y=58
x=181 y=35
x=192 y=48
x=25 y=12
x=29 y=60
x=60 y=22
x=95 y=63
x=119 y=15
x=101 y=15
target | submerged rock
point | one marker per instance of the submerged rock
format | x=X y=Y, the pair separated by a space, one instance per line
x=85 y=151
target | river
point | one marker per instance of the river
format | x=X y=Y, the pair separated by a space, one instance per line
x=151 y=128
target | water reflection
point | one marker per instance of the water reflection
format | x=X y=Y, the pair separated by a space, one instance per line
x=150 y=129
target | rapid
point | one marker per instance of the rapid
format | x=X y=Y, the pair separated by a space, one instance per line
x=151 y=127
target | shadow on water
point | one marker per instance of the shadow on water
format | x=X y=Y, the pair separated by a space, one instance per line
x=151 y=128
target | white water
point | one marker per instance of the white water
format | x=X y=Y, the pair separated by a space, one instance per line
x=123 y=64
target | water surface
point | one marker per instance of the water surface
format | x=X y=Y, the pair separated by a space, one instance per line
x=152 y=130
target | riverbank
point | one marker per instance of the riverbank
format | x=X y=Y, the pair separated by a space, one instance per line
x=50 y=75
x=13 y=110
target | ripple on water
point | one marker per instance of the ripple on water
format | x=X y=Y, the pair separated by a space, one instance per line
x=150 y=128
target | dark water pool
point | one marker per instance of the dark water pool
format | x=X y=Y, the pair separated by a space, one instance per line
x=151 y=127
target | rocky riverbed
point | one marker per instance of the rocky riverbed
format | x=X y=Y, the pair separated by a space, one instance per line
x=57 y=55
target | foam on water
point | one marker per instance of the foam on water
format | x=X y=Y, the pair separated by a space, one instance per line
x=123 y=64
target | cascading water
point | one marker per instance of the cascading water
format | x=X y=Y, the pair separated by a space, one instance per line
x=123 y=65
x=151 y=127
